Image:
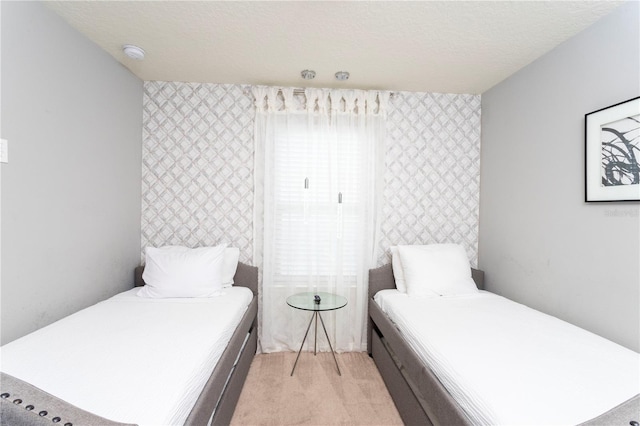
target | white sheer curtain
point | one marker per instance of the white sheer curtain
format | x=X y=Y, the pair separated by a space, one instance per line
x=319 y=159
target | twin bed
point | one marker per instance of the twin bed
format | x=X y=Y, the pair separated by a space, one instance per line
x=475 y=358
x=136 y=360
x=449 y=356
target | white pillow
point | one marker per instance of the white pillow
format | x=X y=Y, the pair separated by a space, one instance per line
x=182 y=272
x=229 y=265
x=436 y=270
x=398 y=274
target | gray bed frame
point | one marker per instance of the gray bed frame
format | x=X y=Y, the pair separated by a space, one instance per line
x=24 y=404
x=221 y=392
x=418 y=394
x=416 y=391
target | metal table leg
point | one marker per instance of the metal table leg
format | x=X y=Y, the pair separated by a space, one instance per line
x=315 y=339
x=328 y=340
x=305 y=338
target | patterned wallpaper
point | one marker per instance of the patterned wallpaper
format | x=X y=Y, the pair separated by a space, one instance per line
x=197 y=166
x=432 y=176
x=197 y=171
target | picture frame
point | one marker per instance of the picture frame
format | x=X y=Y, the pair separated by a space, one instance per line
x=612 y=153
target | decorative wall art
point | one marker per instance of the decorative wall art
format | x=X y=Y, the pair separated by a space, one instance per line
x=612 y=153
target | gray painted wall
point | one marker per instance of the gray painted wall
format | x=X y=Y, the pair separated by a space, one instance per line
x=71 y=190
x=540 y=243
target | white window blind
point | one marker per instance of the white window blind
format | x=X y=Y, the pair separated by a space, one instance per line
x=317 y=193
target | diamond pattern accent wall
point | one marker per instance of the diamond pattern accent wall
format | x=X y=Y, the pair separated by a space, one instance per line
x=432 y=176
x=197 y=168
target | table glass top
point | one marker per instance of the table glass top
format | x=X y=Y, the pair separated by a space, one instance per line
x=305 y=301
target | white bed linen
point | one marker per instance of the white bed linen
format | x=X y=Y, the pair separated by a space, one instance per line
x=131 y=359
x=507 y=364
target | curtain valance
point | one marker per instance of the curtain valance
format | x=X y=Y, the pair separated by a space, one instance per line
x=288 y=99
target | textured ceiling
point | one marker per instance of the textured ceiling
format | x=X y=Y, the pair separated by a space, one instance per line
x=422 y=46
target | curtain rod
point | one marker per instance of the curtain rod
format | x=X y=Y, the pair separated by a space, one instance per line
x=300 y=91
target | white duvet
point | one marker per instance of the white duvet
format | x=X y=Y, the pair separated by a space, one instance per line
x=507 y=364
x=131 y=359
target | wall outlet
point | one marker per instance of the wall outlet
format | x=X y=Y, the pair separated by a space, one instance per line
x=4 y=151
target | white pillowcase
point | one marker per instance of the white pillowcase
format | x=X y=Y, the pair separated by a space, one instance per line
x=229 y=265
x=398 y=274
x=182 y=272
x=436 y=270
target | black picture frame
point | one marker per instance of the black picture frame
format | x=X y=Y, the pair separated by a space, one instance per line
x=612 y=153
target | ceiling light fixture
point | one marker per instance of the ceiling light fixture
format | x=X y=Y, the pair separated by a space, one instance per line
x=308 y=74
x=134 y=52
x=342 y=75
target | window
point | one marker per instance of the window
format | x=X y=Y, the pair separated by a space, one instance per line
x=316 y=188
x=317 y=202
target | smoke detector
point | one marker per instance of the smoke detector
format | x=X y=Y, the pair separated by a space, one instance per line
x=134 y=52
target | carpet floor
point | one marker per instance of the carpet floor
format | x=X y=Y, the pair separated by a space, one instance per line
x=315 y=395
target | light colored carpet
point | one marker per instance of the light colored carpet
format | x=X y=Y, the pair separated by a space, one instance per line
x=315 y=395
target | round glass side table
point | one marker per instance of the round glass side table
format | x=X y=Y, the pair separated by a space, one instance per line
x=316 y=302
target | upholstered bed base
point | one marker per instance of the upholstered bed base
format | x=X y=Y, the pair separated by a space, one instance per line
x=220 y=395
x=416 y=391
x=24 y=404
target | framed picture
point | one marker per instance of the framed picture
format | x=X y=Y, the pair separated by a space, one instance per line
x=612 y=153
